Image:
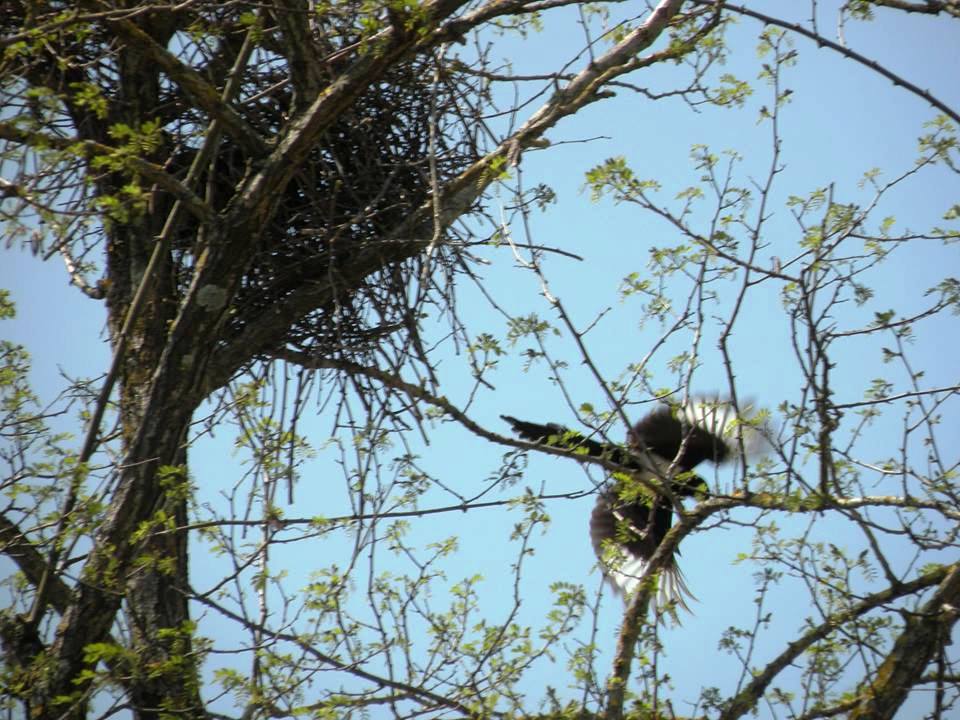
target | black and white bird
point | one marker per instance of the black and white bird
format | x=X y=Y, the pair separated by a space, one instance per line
x=629 y=520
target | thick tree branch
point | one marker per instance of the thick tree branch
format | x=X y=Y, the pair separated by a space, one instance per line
x=750 y=696
x=31 y=562
x=15 y=545
x=636 y=614
x=202 y=94
x=924 y=634
x=585 y=88
x=926 y=7
x=305 y=59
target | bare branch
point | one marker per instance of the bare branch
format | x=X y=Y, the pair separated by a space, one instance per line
x=90 y=149
x=822 y=41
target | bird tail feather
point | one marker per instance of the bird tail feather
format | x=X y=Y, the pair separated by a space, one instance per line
x=672 y=590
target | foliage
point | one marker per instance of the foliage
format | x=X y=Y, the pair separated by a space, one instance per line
x=309 y=225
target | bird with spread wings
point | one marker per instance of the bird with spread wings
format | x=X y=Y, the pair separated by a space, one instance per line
x=634 y=509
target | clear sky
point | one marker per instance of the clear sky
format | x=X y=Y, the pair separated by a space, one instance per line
x=843 y=120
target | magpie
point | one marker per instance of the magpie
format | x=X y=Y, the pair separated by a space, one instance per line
x=631 y=518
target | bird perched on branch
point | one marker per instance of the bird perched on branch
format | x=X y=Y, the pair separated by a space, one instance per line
x=634 y=509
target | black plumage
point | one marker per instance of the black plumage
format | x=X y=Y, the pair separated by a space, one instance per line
x=630 y=520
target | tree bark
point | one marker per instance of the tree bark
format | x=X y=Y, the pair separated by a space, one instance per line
x=922 y=637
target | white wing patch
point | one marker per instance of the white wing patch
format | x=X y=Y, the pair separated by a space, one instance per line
x=719 y=418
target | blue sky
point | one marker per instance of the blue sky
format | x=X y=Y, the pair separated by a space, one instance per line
x=843 y=120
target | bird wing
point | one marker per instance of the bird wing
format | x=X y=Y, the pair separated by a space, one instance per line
x=630 y=521
x=554 y=435
x=625 y=537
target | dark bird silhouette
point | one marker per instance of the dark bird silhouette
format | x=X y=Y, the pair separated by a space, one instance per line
x=630 y=518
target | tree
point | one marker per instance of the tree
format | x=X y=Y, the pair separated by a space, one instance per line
x=272 y=201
